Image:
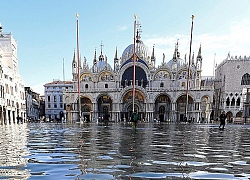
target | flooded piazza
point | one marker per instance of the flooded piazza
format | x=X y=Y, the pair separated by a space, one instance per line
x=152 y=151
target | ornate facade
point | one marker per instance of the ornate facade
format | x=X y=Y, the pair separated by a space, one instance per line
x=160 y=92
x=231 y=90
x=12 y=96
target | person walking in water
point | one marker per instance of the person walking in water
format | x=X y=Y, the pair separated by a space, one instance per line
x=222 y=120
x=134 y=119
x=106 y=119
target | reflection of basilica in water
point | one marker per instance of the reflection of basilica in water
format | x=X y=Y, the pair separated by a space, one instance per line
x=160 y=92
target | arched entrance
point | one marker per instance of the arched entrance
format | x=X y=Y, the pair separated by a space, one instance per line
x=205 y=106
x=86 y=106
x=127 y=105
x=104 y=104
x=181 y=107
x=162 y=107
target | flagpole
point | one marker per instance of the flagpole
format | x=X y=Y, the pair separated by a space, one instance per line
x=134 y=59
x=189 y=61
x=78 y=64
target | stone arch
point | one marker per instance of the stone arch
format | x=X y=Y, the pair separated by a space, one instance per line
x=181 y=108
x=140 y=77
x=162 y=107
x=139 y=104
x=86 y=77
x=205 y=106
x=86 y=107
x=245 y=80
x=161 y=75
x=106 y=76
x=239 y=114
x=104 y=104
x=229 y=116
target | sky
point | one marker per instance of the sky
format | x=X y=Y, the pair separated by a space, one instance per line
x=46 y=32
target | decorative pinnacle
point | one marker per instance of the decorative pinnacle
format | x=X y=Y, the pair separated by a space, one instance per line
x=77 y=15
x=135 y=16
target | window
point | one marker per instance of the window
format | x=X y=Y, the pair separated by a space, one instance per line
x=238 y=102
x=245 y=80
x=7 y=88
x=61 y=98
x=55 y=105
x=106 y=86
x=227 y=102
x=48 y=98
x=162 y=84
x=11 y=90
x=54 y=98
x=233 y=102
x=86 y=86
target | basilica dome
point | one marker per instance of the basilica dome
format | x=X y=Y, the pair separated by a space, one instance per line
x=103 y=65
x=141 y=51
x=177 y=62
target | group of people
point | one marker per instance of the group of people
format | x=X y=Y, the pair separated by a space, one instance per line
x=134 y=119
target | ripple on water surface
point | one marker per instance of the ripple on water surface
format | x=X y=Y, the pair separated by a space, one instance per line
x=152 y=151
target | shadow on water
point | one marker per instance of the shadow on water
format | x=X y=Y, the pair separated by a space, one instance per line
x=151 y=151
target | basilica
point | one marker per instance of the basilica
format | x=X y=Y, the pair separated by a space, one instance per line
x=172 y=92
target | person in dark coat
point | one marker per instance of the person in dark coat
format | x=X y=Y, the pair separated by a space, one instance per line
x=106 y=119
x=134 y=119
x=222 y=120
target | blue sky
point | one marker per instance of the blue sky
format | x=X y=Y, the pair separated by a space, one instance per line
x=46 y=31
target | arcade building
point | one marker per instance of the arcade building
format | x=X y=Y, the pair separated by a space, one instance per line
x=160 y=92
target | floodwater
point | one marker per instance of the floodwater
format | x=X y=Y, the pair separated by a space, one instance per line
x=152 y=151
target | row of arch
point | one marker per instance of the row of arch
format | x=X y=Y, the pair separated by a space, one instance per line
x=162 y=107
x=109 y=76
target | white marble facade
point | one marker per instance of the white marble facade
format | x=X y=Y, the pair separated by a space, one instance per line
x=160 y=92
x=12 y=95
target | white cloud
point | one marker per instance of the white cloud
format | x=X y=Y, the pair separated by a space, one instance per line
x=215 y=47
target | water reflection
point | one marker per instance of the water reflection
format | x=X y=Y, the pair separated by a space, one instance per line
x=12 y=151
x=152 y=151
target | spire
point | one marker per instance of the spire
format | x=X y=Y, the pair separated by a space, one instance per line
x=74 y=57
x=116 y=61
x=101 y=57
x=199 y=53
x=116 y=57
x=153 y=53
x=101 y=47
x=74 y=66
x=176 y=53
x=153 y=56
x=228 y=55
x=193 y=58
x=177 y=49
x=94 y=61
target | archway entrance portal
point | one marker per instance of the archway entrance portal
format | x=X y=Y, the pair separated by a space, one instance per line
x=139 y=105
x=86 y=106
